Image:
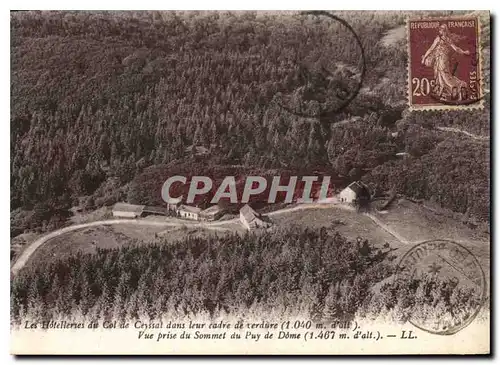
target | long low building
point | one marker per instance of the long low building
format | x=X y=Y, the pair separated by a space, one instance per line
x=125 y=210
x=152 y=210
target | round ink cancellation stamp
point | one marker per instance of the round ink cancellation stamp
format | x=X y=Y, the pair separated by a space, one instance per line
x=451 y=286
x=340 y=84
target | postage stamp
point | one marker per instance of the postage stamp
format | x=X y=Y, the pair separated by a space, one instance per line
x=443 y=266
x=444 y=63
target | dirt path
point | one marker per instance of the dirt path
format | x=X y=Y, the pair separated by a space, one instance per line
x=456 y=130
x=326 y=205
x=388 y=229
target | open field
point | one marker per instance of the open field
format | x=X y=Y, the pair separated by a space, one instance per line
x=87 y=240
x=416 y=223
x=409 y=223
x=347 y=222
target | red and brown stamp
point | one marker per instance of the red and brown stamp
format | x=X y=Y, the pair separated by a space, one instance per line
x=444 y=68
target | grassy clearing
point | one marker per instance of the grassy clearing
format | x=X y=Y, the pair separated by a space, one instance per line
x=417 y=223
x=349 y=223
x=87 y=240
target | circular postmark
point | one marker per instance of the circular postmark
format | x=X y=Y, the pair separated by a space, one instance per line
x=326 y=91
x=447 y=285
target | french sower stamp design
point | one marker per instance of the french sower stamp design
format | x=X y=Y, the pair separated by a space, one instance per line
x=444 y=68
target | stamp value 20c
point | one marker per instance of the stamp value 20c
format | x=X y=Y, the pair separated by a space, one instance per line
x=444 y=68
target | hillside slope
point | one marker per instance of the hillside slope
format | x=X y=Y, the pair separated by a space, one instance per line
x=97 y=97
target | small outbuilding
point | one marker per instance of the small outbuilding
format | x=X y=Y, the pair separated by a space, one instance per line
x=212 y=213
x=125 y=210
x=251 y=219
x=355 y=192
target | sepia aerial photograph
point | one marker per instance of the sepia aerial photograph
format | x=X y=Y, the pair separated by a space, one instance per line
x=188 y=182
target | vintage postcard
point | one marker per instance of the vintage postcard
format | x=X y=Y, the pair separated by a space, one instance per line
x=250 y=182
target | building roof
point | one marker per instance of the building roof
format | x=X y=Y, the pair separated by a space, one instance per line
x=199 y=150
x=174 y=201
x=248 y=213
x=125 y=207
x=359 y=188
x=190 y=209
x=214 y=209
x=156 y=210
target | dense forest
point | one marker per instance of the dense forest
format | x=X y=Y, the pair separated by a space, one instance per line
x=316 y=274
x=98 y=98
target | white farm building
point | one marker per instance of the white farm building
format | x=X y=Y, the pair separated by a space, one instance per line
x=355 y=191
x=189 y=212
